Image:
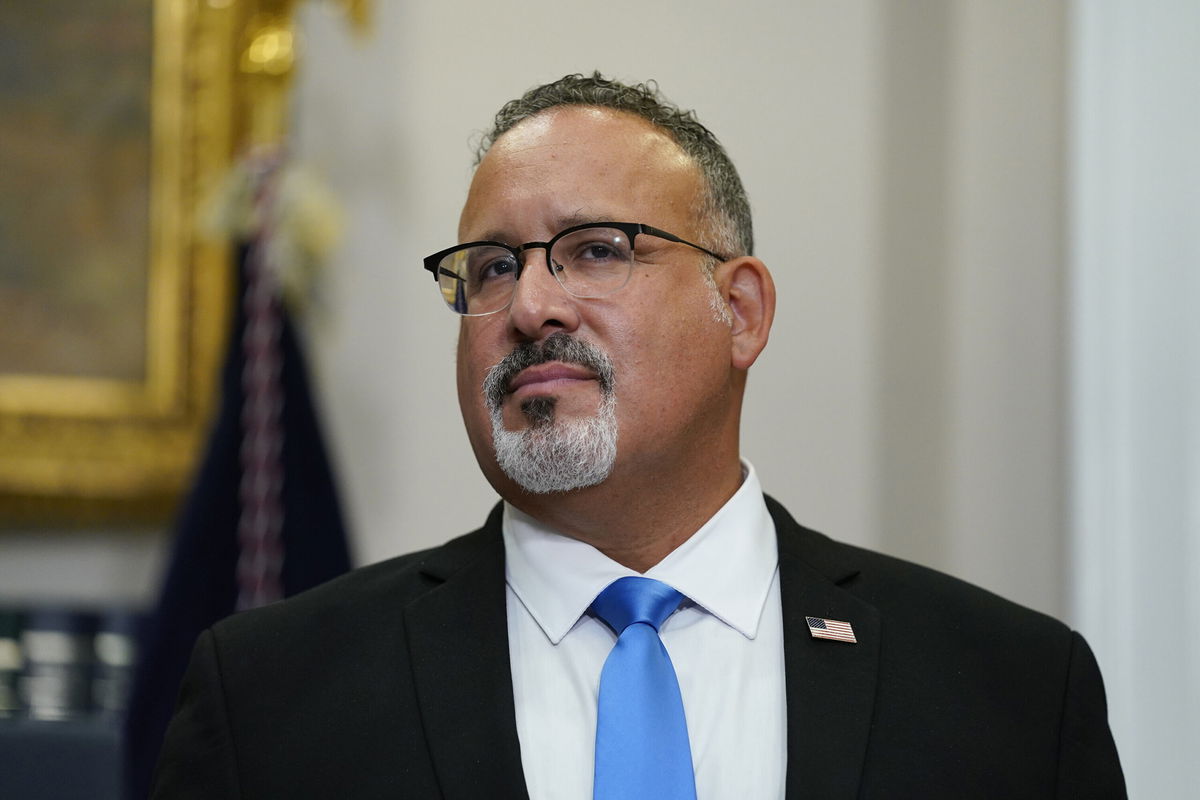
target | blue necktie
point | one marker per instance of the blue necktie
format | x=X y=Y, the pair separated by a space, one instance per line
x=642 y=745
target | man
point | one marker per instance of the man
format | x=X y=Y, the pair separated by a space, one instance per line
x=611 y=310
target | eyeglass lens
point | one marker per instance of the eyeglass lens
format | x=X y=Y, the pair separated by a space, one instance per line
x=590 y=262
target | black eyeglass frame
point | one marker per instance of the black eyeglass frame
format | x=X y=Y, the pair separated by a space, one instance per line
x=630 y=229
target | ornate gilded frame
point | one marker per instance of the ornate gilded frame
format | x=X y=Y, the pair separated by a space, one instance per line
x=79 y=449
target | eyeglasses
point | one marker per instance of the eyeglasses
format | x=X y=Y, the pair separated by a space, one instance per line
x=590 y=260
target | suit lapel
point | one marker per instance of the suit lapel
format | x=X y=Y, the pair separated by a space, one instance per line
x=830 y=684
x=458 y=645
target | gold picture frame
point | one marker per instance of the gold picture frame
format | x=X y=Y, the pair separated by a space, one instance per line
x=78 y=448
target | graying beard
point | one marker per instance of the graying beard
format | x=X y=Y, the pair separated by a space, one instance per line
x=553 y=455
x=559 y=456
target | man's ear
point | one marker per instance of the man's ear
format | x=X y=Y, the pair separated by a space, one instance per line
x=749 y=292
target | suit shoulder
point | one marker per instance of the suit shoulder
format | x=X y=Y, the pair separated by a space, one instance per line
x=372 y=594
x=905 y=585
x=926 y=597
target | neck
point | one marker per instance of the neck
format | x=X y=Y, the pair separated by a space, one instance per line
x=638 y=519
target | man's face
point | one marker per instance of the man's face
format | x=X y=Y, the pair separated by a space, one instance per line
x=655 y=359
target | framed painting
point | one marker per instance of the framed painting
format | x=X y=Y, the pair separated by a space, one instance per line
x=117 y=117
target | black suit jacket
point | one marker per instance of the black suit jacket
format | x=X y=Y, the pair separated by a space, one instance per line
x=394 y=682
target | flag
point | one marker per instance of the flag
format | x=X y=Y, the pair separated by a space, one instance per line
x=821 y=628
x=262 y=519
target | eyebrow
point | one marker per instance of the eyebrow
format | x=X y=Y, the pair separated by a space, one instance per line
x=578 y=217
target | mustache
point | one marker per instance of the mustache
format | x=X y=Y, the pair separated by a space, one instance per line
x=557 y=347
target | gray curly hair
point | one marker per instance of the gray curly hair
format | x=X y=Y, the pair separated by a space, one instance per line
x=724 y=206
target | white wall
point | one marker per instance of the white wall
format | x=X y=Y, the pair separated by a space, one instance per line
x=1005 y=480
x=85 y=567
x=1135 y=268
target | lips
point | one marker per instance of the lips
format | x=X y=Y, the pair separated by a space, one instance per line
x=544 y=376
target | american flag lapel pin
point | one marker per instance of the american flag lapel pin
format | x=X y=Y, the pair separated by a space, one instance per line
x=822 y=628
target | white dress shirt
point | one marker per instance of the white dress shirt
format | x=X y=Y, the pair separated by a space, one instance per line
x=726 y=642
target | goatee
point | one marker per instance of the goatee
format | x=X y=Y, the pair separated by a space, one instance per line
x=554 y=455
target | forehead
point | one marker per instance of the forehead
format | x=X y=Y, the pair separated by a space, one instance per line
x=580 y=163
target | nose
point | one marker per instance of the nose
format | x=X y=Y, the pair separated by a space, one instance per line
x=540 y=305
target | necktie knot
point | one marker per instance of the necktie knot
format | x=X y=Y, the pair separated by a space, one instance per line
x=635 y=599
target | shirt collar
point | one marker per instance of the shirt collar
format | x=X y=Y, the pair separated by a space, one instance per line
x=726 y=567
